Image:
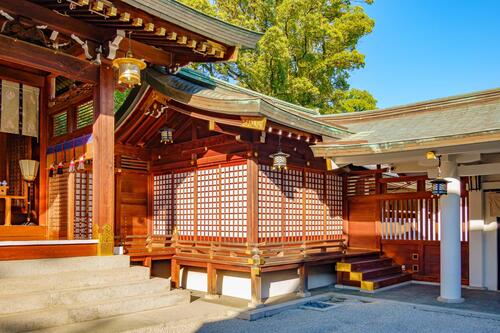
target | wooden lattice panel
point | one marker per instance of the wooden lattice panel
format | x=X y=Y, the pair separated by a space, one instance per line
x=270 y=205
x=334 y=220
x=234 y=203
x=208 y=203
x=363 y=184
x=315 y=226
x=293 y=182
x=83 y=206
x=184 y=204
x=162 y=204
x=58 y=206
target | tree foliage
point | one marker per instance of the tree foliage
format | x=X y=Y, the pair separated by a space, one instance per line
x=306 y=54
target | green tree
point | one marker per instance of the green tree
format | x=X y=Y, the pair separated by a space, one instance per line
x=306 y=54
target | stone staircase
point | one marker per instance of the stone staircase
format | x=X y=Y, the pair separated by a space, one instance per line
x=51 y=293
x=370 y=273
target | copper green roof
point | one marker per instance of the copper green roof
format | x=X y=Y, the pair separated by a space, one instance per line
x=205 y=93
x=198 y=22
x=462 y=119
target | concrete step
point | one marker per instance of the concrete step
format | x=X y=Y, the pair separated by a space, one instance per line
x=385 y=281
x=368 y=274
x=64 y=315
x=18 y=268
x=10 y=304
x=67 y=280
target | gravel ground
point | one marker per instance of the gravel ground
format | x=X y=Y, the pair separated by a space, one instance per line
x=353 y=316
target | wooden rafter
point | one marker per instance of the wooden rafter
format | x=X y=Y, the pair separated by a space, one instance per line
x=63 y=24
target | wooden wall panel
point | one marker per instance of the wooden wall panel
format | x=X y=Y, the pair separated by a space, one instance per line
x=133 y=200
x=362 y=215
x=422 y=258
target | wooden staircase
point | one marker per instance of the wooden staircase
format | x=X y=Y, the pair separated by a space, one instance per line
x=370 y=272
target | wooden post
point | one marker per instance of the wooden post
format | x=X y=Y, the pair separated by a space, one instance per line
x=211 y=281
x=71 y=205
x=103 y=161
x=174 y=274
x=252 y=201
x=256 y=287
x=303 y=281
x=47 y=92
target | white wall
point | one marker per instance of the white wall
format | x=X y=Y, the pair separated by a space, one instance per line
x=490 y=249
x=237 y=284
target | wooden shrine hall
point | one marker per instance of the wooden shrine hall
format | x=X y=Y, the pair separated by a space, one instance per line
x=111 y=144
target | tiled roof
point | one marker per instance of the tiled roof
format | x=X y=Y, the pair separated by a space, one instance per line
x=196 y=21
x=456 y=116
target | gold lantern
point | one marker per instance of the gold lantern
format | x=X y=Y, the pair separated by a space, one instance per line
x=129 y=68
x=167 y=135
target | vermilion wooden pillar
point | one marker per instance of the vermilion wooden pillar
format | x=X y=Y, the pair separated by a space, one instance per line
x=103 y=131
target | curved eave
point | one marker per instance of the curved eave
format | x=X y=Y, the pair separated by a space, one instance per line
x=252 y=106
x=198 y=22
x=337 y=150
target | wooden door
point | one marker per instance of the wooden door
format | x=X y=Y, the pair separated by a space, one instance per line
x=132 y=204
x=363 y=216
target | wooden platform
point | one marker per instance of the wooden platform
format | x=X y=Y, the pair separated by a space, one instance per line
x=38 y=249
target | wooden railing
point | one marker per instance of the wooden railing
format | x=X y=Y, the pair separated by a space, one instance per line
x=229 y=253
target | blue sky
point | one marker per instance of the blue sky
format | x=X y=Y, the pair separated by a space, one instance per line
x=424 y=49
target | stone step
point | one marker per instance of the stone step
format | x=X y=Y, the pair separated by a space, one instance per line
x=18 y=268
x=369 y=274
x=72 y=279
x=71 y=297
x=182 y=318
x=359 y=265
x=63 y=315
x=385 y=281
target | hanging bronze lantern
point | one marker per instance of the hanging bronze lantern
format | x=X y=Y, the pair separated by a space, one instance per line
x=279 y=160
x=129 y=68
x=439 y=185
x=167 y=135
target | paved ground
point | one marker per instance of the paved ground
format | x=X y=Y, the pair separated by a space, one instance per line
x=475 y=300
x=355 y=316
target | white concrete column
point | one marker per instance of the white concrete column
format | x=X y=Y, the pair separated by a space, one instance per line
x=451 y=291
x=476 y=239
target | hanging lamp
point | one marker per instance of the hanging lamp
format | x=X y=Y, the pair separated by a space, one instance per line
x=279 y=158
x=439 y=185
x=129 y=68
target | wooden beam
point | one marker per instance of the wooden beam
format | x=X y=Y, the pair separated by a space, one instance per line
x=103 y=162
x=146 y=52
x=61 y=23
x=31 y=55
x=14 y=74
x=479 y=169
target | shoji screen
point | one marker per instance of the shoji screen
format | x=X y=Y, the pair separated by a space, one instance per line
x=183 y=204
x=234 y=203
x=293 y=182
x=315 y=225
x=270 y=205
x=162 y=204
x=334 y=219
x=208 y=204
